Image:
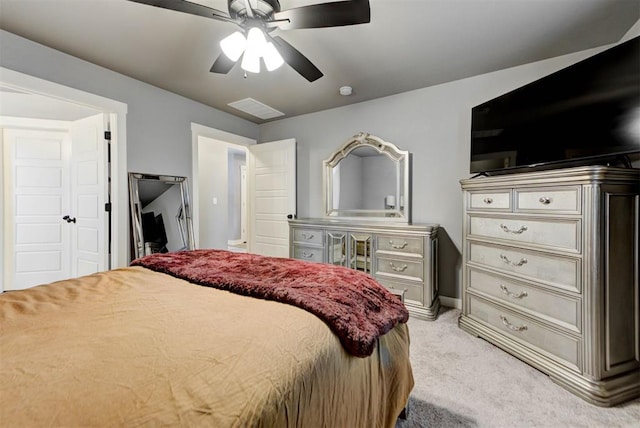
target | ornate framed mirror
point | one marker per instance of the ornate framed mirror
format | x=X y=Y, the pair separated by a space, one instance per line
x=368 y=178
x=160 y=214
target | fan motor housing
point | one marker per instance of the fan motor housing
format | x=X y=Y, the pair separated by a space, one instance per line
x=263 y=8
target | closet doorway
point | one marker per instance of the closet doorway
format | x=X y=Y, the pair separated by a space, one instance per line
x=45 y=187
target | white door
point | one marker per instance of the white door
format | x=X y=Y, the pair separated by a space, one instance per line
x=89 y=194
x=37 y=247
x=271 y=175
x=56 y=187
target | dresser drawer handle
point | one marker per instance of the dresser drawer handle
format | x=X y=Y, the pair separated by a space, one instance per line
x=510 y=326
x=397 y=247
x=488 y=201
x=509 y=262
x=307 y=255
x=515 y=231
x=305 y=236
x=398 y=268
x=506 y=291
x=545 y=200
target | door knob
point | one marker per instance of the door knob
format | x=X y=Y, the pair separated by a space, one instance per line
x=289 y=216
x=69 y=219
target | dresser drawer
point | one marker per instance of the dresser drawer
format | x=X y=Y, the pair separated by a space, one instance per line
x=310 y=254
x=402 y=268
x=400 y=244
x=556 y=200
x=563 y=348
x=308 y=236
x=561 y=310
x=552 y=233
x=500 y=200
x=553 y=270
x=413 y=291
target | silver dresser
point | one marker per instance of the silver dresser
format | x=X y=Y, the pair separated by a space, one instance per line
x=551 y=274
x=401 y=257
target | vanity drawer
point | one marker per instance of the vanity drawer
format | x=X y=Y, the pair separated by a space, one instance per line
x=310 y=254
x=399 y=244
x=553 y=270
x=400 y=268
x=561 y=310
x=563 y=348
x=413 y=291
x=556 y=200
x=500 y=200
x=552 y=233
x=308 y=236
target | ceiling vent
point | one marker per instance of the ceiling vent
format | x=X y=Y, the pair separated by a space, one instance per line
x=256 y=108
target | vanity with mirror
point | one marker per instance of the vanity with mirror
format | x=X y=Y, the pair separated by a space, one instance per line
x=367 y=223
x=160 y=214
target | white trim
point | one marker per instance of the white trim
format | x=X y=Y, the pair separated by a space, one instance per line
x=198 y=131
x=451 y=302
x=119 y=184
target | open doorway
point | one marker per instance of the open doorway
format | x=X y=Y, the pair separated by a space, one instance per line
x=220 y=202
x=56 y=104
x=270 y=196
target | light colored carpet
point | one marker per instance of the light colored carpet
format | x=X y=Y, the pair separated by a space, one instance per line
x=464 y=381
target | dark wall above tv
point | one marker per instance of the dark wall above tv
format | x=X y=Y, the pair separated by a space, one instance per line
x=583 y=114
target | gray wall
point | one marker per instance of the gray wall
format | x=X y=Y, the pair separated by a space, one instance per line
x=434 y=125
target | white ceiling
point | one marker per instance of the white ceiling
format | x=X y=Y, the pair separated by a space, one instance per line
x=409 y=44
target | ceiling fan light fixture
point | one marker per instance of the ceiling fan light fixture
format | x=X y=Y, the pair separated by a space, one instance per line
x=271 y=56
x=255 y=47
x=233 y=45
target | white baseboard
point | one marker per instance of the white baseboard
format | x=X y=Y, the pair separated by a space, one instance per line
x=451 y=302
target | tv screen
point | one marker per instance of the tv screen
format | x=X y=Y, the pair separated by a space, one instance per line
x=583 y=114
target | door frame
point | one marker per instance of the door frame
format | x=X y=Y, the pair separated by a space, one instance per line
x=198 y=131
x=117 y=112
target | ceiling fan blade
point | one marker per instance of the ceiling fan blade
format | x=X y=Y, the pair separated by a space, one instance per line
x=296 y=60
x=188 y=7
x=222 y=65
x=348 y=12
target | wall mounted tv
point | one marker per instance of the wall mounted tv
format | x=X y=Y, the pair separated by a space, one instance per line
x=587 y=113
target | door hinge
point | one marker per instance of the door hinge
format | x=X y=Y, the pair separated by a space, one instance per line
x=107 y=135
x=107 y=207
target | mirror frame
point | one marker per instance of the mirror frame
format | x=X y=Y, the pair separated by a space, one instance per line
x=186 y=228
x=364 y=139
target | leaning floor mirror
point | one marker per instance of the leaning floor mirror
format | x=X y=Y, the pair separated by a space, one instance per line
x=160 y=214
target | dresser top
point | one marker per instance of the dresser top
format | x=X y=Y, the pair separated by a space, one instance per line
x=578 y=175
x=364 y=224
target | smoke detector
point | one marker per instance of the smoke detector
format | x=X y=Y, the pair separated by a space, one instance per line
x=346 y=90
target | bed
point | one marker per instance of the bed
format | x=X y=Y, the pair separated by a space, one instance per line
x=158 y=344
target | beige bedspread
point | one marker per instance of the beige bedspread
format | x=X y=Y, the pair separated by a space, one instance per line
x=134 y=347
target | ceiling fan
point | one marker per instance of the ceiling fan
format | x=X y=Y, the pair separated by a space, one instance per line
x=258 y=18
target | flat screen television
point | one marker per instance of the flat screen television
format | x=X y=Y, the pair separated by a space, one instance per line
x=587 y=113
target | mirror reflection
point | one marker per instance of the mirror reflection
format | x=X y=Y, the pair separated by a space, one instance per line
x=367 y=177
x=160 y=214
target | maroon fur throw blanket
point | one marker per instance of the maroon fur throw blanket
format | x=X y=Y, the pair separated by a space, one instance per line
x=356 y=307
